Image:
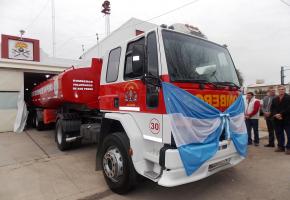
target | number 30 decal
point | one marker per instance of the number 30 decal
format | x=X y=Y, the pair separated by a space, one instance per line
x=154 y=126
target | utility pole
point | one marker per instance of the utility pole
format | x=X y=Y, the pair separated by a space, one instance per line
x=107 y=11
x=282 y=74
x=53 y=27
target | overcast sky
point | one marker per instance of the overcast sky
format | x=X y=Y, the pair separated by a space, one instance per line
x=257 y=32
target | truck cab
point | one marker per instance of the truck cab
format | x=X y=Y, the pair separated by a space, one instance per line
x=136 y=136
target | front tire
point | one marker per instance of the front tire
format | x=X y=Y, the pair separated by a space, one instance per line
x=117 y=165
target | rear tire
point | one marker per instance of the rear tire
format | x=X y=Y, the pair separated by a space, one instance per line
x=33 y=121
x=39 y=125
x=60 y=136
x=118 y=169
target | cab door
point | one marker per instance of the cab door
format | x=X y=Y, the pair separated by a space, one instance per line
x=141 y=92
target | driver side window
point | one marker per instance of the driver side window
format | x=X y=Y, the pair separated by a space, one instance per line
x=129 y=73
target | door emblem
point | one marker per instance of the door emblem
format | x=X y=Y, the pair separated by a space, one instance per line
x=131 y=95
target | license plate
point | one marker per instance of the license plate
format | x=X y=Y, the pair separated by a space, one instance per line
x=219 y=164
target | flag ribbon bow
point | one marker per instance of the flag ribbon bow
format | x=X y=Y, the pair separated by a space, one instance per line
x=197 y=126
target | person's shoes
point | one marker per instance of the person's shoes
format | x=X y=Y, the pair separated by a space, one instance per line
x=250 y=143
x=287 y=151
x=269 y=145
x=279 y=150
x=256 y=144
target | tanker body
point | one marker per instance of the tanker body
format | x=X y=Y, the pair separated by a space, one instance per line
x=70 y=100
x=78 y=86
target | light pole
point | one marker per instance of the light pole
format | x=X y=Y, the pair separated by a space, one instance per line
x=53 y=27
x=107 y=11
x=282 y=75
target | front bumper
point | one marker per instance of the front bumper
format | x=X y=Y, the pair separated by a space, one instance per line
x=174 y=173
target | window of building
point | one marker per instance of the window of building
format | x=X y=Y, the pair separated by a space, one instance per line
x=8 y=100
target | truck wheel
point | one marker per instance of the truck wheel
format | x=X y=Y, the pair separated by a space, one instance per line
x=117 y=165
x=60 y=136
x=33 y=121
x=39 y=125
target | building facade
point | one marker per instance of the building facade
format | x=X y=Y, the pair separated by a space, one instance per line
x=22 y=66
x=260 y=90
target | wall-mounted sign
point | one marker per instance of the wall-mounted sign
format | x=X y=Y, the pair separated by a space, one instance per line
x=20 y=48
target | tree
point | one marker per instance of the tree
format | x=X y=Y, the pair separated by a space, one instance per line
x=240 y=77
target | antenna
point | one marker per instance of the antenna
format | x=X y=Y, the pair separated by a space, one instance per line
x=98 y=44
x=107 y=11
x=83 y=48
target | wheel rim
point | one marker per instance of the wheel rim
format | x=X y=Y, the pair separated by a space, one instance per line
x=59 y=135
x=113 y=164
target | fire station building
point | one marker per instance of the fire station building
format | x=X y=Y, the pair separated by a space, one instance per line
x=22 y=66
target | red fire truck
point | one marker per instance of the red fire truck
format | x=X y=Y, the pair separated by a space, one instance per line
x=118 y=103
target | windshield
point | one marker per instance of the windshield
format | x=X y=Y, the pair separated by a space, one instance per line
x=189 y=58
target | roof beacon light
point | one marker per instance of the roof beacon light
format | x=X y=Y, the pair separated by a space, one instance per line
x=188 y=29
x=163 y=26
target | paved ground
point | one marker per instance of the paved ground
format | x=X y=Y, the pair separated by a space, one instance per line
x=31 y=168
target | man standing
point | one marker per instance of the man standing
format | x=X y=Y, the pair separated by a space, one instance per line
x=266 y=108
x=252 y=117
x=280 y=110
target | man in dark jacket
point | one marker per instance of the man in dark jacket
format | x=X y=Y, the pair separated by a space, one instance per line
x=280 y=110
x=267 y=101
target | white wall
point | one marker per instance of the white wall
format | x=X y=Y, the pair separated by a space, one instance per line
x=11 y=82
x=120 y=35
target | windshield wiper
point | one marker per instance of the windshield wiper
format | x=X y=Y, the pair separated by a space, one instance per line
x=228 y=83
x=202 y=81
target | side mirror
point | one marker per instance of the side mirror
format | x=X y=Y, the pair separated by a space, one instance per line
x=138 y=59
x=152 y=80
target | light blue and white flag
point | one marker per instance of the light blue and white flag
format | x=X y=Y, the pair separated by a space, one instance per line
x=197 y=126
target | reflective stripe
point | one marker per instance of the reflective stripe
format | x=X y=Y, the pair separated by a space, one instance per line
x=129 y=108
x=155 y=139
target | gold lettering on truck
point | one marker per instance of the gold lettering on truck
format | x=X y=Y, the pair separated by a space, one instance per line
x=217 y=100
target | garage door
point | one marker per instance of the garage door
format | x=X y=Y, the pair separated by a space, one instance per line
x=11 y=83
